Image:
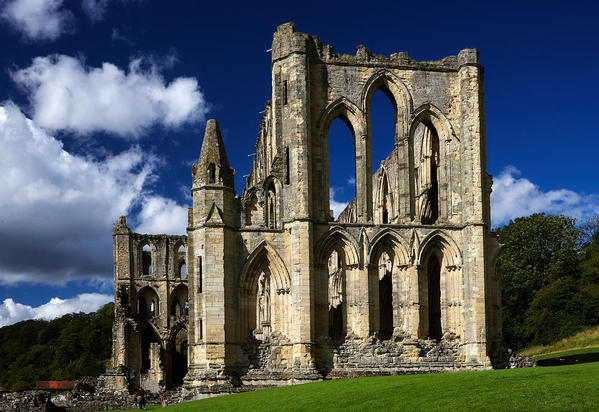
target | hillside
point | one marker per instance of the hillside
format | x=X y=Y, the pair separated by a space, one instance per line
x=66 y=348
x=587 y=339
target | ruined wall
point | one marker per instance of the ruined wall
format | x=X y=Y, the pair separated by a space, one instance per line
x=404 y=281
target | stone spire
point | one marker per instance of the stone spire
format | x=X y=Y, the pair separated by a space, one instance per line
x=213 y=167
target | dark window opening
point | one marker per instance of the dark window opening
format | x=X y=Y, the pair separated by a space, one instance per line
x=200 y=274
x=434 y=298
x=285 y=92
x=271 y=207
x=428 y=180
x=146 y=261
x=336 y=322
x=336 y=295
x=385 y=297
x=142 y=309
x=175 y=309
x=148 y=337
x=287 y=178
x=211 y=173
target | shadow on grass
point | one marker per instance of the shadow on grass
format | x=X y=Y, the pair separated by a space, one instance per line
x=570 y=359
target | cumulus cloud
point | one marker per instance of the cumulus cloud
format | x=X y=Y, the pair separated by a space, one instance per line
x=65 y=94
x=162 y=215
x=335 y=205
x=57 y=209
x=13 y=312
x=515 y=196
x=37 y=19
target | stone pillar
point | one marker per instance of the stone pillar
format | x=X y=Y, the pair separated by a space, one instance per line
x=302 y=294
x=359 y=304
x=363 y=177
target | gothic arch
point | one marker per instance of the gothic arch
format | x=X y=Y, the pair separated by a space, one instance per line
x=264 y=265
x=445 y=243
x=384 y=202
x=337 y=238
x=398 y=94
x=347 y=111
x=145 y=299
x=388 y=283
x=440 y=286
x=253 y=211
x=447 y=168
x=179 y=296
x=264 y=255
x=272 y=203
x=178 y=261
x=432 y=113
x=391 y=240
x=146 y=264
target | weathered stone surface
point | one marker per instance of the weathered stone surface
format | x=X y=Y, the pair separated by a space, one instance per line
x=25 y=401
x=279 y=292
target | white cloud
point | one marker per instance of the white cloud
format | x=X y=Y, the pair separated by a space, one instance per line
x=351 y=180
x=67 y=95
x=94 y=8
x=162 y=215
x=37 y=19
x=57 y=209
x=13 y=312
x=515 y=196
x=336 y=206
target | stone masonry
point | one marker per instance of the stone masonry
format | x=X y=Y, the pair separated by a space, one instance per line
x=268 y=289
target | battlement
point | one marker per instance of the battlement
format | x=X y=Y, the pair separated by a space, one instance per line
x=287 y=41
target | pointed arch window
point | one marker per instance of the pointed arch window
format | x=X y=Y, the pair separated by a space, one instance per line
x=385 y=201
x=211 y=173
x=181 y=266
x=271 y=207
x=427 y=173
x=146 y=260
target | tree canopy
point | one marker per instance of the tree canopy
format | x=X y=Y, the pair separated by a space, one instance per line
x=549 y=269
x=66 y=348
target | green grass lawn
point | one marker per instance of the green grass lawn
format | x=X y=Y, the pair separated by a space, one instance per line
x=573 y=387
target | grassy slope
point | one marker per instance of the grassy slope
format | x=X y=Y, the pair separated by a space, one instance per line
x=588 y=338
x=550 y=388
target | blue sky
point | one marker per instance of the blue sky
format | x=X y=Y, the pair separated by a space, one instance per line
x=104 y=104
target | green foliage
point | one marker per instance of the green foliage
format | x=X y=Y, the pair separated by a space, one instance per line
x=66 y=348
x=561 y=309
x=550 y=275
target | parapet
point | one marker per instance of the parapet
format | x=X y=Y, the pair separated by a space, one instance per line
x=287 y=41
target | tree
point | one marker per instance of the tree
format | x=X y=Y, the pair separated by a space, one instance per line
x=561 y=309
x=66 y=348
x=537 y=251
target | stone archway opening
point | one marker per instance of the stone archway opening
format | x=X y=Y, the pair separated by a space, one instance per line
x=178 y=357
x=385 y=296
x=149 y=353
x=433 y=271
x=336 y=289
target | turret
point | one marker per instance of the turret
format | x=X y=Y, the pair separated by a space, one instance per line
x=212 y=167
x=213 y=189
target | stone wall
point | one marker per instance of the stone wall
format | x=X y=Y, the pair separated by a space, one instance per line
x=413 y=286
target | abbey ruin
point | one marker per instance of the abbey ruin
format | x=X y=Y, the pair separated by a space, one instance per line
x=267 y=288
